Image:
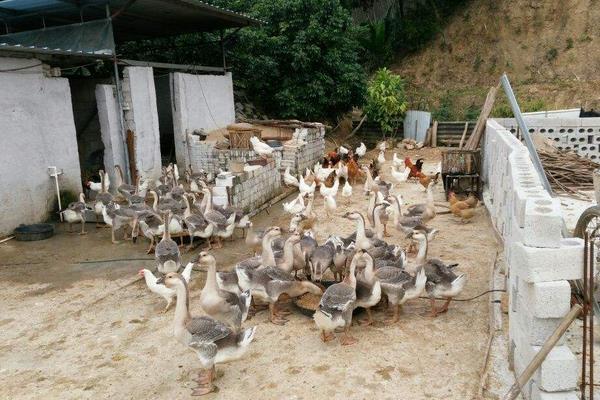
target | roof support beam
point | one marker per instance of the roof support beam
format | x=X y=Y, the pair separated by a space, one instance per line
x=179 y=67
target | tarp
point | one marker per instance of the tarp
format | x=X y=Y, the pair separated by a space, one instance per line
x=94 y=37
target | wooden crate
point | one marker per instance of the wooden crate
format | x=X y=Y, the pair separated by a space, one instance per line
x=240 y=134
x=461 y=162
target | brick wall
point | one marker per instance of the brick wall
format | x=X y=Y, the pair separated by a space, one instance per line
x=302 y=154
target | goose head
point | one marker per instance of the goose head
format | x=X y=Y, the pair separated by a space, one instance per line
x=205 y=259
x=352 y=215
x=170 y=280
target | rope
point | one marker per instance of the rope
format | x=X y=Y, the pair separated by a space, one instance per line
x=470 y=298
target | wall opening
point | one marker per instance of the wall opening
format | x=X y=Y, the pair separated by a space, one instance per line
x=163 y=86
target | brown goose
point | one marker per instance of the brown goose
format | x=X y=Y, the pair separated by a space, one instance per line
x=224 y=306
x=167 y=255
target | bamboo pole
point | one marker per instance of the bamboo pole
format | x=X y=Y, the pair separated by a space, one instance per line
x=515 y=390
x=434 y=134
x=462 y=138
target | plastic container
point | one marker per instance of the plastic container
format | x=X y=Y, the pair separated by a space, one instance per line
x=29 y=233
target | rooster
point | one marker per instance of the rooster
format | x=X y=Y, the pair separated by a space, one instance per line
x=354 y=171
x=415 y=169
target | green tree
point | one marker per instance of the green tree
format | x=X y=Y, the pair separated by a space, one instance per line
x=386 y=100
x=302 y=63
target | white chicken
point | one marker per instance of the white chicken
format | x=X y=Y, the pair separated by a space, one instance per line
x=361 y=150
x=330 y=205
x=304 y=188
x=347 y=191
x=295 y=206
x=400 y=176
x=261 y=148
x=342 y=170
x=332 y=191
x=382 y=146
x=398 y=162
x=162 y=290
x=381 y=157
x=289 y=179
x=342 y=150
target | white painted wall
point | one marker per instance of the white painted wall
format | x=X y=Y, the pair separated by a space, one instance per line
x=114 y=147
x=200 y=102
x=142 y=118
x=37 y=130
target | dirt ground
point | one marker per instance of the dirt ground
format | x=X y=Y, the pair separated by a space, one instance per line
x=77 y=324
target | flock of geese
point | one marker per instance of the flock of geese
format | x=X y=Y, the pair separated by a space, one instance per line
x=366 y=269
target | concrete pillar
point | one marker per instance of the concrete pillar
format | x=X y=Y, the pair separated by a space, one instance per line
x=110 y=128
x=141 y=117
x=199 y=102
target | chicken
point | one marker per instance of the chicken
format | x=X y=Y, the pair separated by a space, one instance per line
x=289 y=179
x=472 y=200
x=361 y=150
x=465 y=213
x=162 y=290
x=469 y=202
x=354 y=171
x=330 y=205
x=425 y=179
x=342 y=150
x=347 y=191
x=415 y=169
x=397 y=162
x=381 y=157
x=261 y=148
x=400 y=176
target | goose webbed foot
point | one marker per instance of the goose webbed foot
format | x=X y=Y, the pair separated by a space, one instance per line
x=367 y=322
x=346 y=339
x=327 y=337
x=204 y=381
x=395 y=317
x=275 y=318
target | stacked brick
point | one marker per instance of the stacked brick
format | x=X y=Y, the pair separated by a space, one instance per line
x=540 y=262
x=581 y=135
x=248 y=190
x=304 y=150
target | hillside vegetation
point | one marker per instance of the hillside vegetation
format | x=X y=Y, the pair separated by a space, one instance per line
x=550 y=50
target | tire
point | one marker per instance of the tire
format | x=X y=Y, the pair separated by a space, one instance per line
x=588 y=215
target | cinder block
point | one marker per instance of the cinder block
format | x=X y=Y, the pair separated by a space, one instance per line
x=546 y=299
x=537 y=264
x=560 y=370
x=543 y=223
x=219 y=191
x=528 y=330
x=538 y=394
x=220 y=200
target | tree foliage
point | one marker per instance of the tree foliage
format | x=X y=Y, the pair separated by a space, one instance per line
x=302 y=63
x=386 y=100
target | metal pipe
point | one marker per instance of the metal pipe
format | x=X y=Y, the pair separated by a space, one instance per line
x=585 y=311
x=525 y=132
x=591 y=316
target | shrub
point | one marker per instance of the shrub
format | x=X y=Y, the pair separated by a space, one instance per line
x=386 y=100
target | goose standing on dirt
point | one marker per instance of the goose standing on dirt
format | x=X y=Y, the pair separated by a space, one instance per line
x=399 y=287
x=196 y=225
x=103 y=197
x=336 y=306
x=424 y=210
x=211 y=340
x=442 y=281
x=161 y=289
x=226 y=307
x=75 y=212
x=368 y=289
x=167 y=255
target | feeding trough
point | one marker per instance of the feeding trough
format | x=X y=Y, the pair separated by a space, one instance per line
x=29 y=233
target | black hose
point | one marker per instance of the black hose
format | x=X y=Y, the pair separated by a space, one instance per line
x=470 y=298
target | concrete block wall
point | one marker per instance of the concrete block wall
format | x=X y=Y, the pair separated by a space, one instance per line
x=141 y=117
x=304 y=150
x=581 y=135
x=540 y=262
x=204 y=155
x=248 y=190
x=38 y=131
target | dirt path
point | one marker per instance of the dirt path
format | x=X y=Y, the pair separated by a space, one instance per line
x=73 y=330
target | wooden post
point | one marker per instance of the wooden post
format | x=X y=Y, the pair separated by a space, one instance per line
x=462 y=138
x=541 y=355
x=479 y=128
x=434 y=134
x=132 y=158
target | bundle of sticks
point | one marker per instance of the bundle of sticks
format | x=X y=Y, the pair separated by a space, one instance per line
x=568 y=172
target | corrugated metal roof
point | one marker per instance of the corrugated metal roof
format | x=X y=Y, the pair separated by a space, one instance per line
x=135 y=19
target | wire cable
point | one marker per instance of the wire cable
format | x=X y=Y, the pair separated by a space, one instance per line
x=467 y=299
